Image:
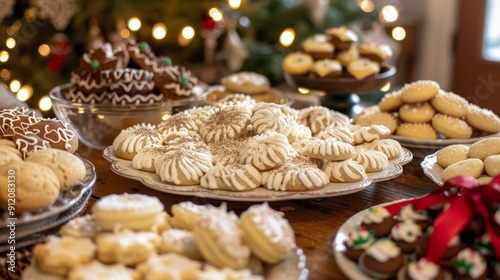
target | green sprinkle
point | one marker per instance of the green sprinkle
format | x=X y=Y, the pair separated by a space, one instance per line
x=143 y=46
x=166 y=61
x=184 y=80
x=94 y=64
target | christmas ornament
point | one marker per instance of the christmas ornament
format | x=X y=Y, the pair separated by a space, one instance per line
x=6 y=8
x=59 y=12
x=317 y=10
x=235 y=50
x=210 y=31
x=59 y=49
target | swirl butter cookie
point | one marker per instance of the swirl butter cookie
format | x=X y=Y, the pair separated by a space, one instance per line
x=131 y=140
x=450 y=104
x=452 y=154
x=231 y=177
x=227 y=151
x=485 y=148
x=129 y=211
x=145 y=159
x=318 y=118
x=416 y=112
x=344 y=171
x=419 y=91
x=186 y=214
x=329 y=149
x=469 y=167
x=343 y=134
x=370 y=133
x=228 y=122
x=183 y=167
x=453 y=128
x=483 y=119
x=391 y=148
x=371 y=160
x=417 y=131
x=266 y=151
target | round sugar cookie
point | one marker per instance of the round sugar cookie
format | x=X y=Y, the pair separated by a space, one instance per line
x=483 y=119
x=468 y=167
x=130 y=211
x=492 y=165
x=450 y=104
x=485 y=148
x=297 y=63
x=452 y=154
x=419 y=91
x=417 y=112
x=391 y=102
x=417 y=131
x=246 y=82
x=453 y=128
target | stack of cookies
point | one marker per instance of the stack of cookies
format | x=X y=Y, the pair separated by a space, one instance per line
x=335 y=53
x=241 y=145
x=130 y=236
x=104 y=76
x=422 y=110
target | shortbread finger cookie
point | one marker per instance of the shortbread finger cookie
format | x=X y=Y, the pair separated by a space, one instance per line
x=181 y=242
x=97 y=270
x=343 y=134
x=344 y=171
x=186 y=214
x=220 y=240
x=492 y=165
x=69 y=168
x=452 y=154
x=267 y=232
x=485 y=148
x=169 y=266
x=126 y=247
x=391 y=102
x=370 y=133
x=451 y=127
x=450 y=104
x=227 y=122
x=81 y=227
x=266 y=151
x=419 y=91
x=417 y=112
x=483 y=119
x=371 y=160
x=129 y=211
x=391 y=148
x=297 y=174
x=469 y=167
x=183 y=167
x=37 y=186
x=133 y=139
x=59 y=255
x=330 y=149
x=231 y=177
x=417 y=131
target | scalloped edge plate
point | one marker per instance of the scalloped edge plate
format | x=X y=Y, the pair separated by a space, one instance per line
x=431 y=169
x=436 y=144
x=125 y=169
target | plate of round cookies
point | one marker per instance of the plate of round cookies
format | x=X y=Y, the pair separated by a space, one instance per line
x=480 y=160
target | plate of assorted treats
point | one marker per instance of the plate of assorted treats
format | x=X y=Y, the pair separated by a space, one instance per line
x=43 y=181
x=250 y=151
x=131 y=236
x=480 y=160
x=422 y=115
x=451 y=233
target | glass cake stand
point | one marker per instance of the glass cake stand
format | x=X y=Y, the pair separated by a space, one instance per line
x=342 y=93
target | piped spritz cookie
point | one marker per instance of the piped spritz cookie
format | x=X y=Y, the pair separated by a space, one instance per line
x=231 y=177
x=183 y=167
x=131 y=211
x=371 y=160
x=344 y=171
x=227 y=122
x=391 y=148
x=330 y=149
x=297 y=174
x=268 y=234
x=133 y=139
x=318 y=118
x=145 y=159
x=220 y=240
x=266 y=151
x=178 y=122
x=343 y=134
x=272 y=118
x=370 y=133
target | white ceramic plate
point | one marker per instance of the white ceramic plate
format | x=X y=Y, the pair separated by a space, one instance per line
x=124 y=168
x=64 y=202
x=435 y=144
x=432 y=169
x=346 y=265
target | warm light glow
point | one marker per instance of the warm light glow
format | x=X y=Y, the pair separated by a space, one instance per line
x=101 y=117
x=386 y=87
x=44 y=50
x=4 y=56
x=188 y=32
x=389 y=13
x=5 y=74
x=367 y=6
x=134 y=24
x=398 y=33
x=287 y=37
x=15 y=85
x=45 y=103
x=10 y=43
x=124 y=33
x=25 y=93
x=165 y=117
x=215 y=14
x=303 y=90
x=159 y=31
x=234 y=4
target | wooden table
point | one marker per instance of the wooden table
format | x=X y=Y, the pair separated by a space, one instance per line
x=315 y=221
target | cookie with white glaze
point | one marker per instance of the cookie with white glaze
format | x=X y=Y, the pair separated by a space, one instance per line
x=346 y=171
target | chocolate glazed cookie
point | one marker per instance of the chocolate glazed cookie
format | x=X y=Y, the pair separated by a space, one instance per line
x=131 y=86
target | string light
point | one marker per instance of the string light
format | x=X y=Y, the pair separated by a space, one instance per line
x=25 y=93
x=303 y=90
x=159 y=31
x=234 y=4
x=5 y=74
x=287 y=37
x=4 y=56
x=124 y=33
x=244 y=21
x=398 y=33
x=186 y=36
x=10 y=43
x=15 y=85
x=45 y=103
x=134 y=24
x=386 y=87
x=215 y=14
x=389 y=13
x=44 y=50
x=367 y=6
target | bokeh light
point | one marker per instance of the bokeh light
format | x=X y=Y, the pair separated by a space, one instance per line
x=159 y=31
x=4 y=56
x=10 y=43
x=398 y=33
x=15 y=85
x=45 y=103
x=287 y=37
x=25 y=93
x=134 y=23
x=367 y=6
x=44 y=50
x=386 y=87
x=389 y=13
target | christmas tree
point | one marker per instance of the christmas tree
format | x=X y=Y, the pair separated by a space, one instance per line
x=42 y=40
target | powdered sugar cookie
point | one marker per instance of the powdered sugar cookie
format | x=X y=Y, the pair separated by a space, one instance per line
x=391 y=102
x=450 y=104
x=417 y=131
x=419 y=91
x=451 y=127
x=483 y=119
x=416 y=112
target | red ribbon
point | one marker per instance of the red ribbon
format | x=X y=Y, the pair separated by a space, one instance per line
x=466 y=198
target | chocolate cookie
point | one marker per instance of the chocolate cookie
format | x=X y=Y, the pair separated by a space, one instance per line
x=131 y=86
